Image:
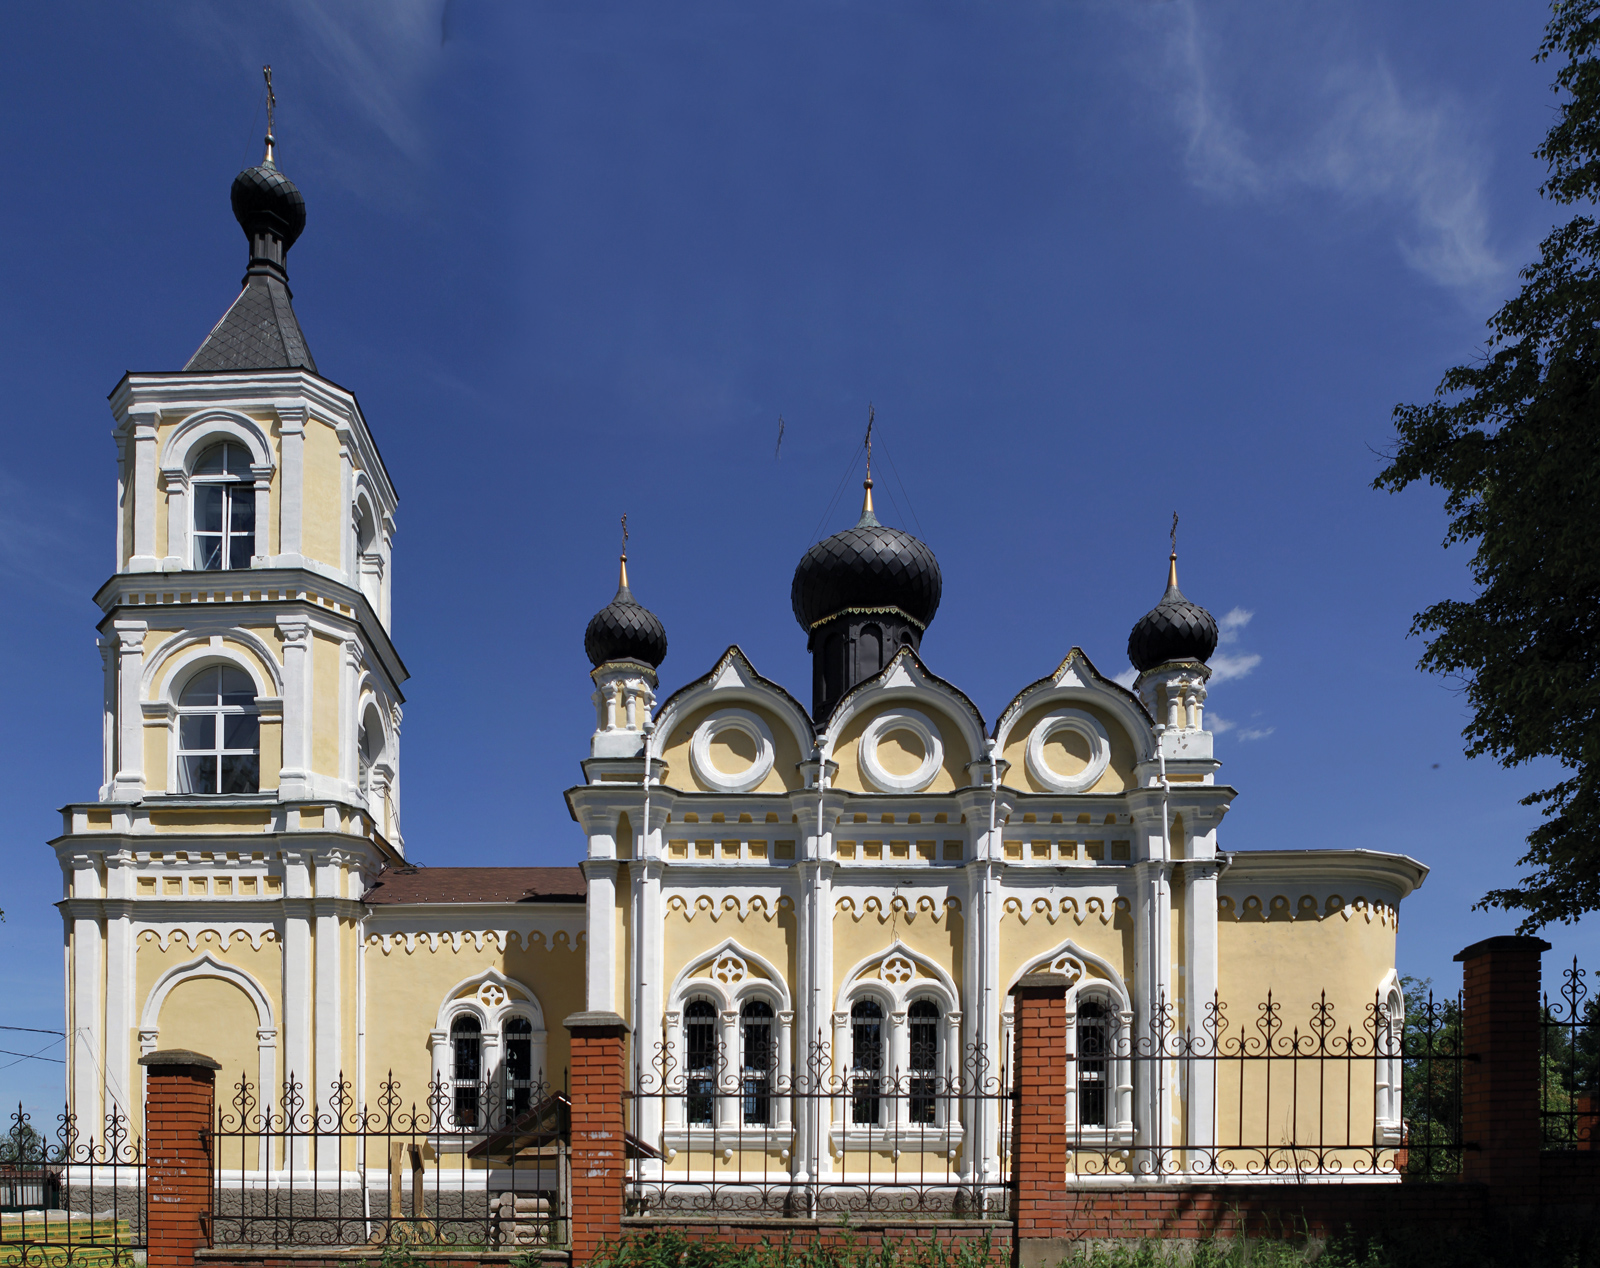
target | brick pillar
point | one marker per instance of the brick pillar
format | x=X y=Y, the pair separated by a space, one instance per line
x=180 y=1089
x=1500 y=1078
x=1039 y=1119
x=599 y=1161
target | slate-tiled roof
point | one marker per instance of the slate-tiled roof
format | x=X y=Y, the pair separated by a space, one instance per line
x=868 y=566
x=258 y=332
x=477 y=885
x=625 y=630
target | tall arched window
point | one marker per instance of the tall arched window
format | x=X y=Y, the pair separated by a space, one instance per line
x=224 y=494
x=369 y=748
x=869 y=650
x=219 y=733
x=1094 y=1062
x=466 y=1068
x=866 y=1062
x=517 y=1041
x=700 y=1060
x=759 y=1059
x=923 y=1020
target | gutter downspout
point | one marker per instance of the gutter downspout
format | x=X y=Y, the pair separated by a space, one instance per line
x=1158 y=926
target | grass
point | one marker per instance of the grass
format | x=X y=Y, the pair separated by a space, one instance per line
x=32 y=1241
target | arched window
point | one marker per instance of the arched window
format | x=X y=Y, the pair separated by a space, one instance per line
x=466 y=1068
x=700 y=1060
x=1094 y=1062
x=224 y=494
x=517 y=1040
x=219 y=733
x=369 y=748
x=923 y=1020
x=869 y=650
x=866 y=1062
x=759 y=1059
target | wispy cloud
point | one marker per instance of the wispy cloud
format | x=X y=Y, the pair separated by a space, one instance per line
x=1335 y=123
x=1229 y=626
x=1226 y=666
x=1127 y=677
x=1256 y=733
x=1217 y=724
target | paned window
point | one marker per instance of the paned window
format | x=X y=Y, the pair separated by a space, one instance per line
x=1094 y=1062
x=517 y=1038
x=700 y=1060
x=466 y=1068
x=866 y=1062
x=224 y=494
x=923 y=1020
x=756 y=1023
x=219 y=733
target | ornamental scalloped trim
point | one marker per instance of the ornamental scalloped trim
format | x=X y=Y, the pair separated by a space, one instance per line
x=1054 y=909
x=1279 y=907
x=888 y=906
x=194 y=935
x=715 y=906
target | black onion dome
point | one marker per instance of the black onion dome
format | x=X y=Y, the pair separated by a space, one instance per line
x=266 y=201
x=623 y=630
x=1175 y=629
x=867 y=568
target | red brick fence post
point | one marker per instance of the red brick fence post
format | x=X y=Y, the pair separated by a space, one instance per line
x=599 y=1151
x=1500 y=1078
x=1039 y=1122
x=179 y=1097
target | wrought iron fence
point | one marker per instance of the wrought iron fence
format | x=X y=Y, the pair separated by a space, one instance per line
x=718 y=1131
x=475 y=1166
x=71 y=1199
x=1266 y=1097
x=1569 y=1091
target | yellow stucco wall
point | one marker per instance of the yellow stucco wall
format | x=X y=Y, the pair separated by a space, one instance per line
x=936 y=935
x=1104 y=928
x=325 y=705
x=769 y=934
x=322 y=510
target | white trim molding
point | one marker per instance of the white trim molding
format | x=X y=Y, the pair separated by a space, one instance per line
x=927 y=734
x=745 y=723
x=1080 y=723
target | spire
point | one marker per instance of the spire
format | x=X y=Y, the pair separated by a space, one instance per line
x=260 y=331
x=622 y=584
x=1172 y=571
x=868 y=518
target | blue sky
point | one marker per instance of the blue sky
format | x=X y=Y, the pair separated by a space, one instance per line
x=1092 y=263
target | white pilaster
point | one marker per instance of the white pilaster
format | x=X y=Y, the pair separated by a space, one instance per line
x=299 y=1017
x=330 y=1031
x=291 y=490
x=294 y=778
x=120 y=988
x=143 y=427
x=129 y=780
x=600 y=940
x=87 y=1046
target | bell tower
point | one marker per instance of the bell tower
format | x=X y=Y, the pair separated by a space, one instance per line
x=252 y=706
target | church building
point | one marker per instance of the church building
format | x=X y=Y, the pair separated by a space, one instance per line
x=841 y=886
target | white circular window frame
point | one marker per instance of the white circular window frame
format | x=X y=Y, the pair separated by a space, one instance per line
x=746 y=723
x=1080 y=723
x=901 y=720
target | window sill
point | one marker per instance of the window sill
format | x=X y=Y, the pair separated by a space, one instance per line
x=676 y=1140
x=1096 y=1139
x=901 y=1139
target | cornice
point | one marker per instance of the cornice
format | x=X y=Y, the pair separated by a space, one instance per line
x=112 y=599
x=1248 y=868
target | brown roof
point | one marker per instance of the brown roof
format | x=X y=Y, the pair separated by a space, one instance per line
x=477 y=885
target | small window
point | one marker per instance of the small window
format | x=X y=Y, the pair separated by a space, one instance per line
x=866 y=1062
x=466 y=1070
x=759 y=1058
x=1094 y=1062
x=700 y=1060
x=923 y=1020
x=224 y=494
x=517 y=1036
x=219 y=733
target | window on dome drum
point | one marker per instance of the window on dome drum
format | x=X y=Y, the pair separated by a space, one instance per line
x=466 y=1068
x=866 y=1062
x=224 y=494
x=219 y=733
x=869 y=649
x=756 y=1021
x=1094 y=1052
x=517 y=1037
x=923 y=1016
x=699 y=1060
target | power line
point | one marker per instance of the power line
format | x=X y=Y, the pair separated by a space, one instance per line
x=32 y=1030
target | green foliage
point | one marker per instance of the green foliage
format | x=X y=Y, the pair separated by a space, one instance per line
x=23 y=1144
x=1513 y=439
x=668 y=1249
x=1431 y=1081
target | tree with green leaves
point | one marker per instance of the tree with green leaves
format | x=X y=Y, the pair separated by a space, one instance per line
x=1513 y=439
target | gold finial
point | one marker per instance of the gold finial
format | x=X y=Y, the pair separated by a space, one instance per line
x=866 y=500
x=272 y=105
x=1172 y=563
x=624 y=581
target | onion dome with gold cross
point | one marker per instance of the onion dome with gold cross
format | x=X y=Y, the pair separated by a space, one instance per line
x=625 y=630
x=1175 y=629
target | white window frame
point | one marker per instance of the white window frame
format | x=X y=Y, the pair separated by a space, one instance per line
x=188 y=674
x=493 y=999
x=191 y=438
